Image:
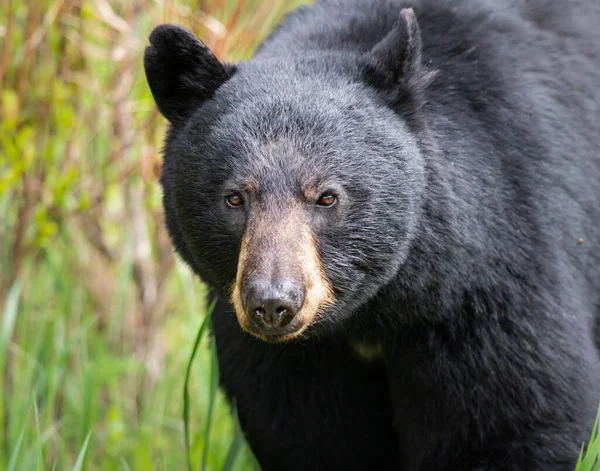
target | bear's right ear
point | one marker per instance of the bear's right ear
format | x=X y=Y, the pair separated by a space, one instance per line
x=396 y=61
x=181 y=71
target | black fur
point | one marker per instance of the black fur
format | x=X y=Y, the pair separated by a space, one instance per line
x=466 y=152
x=181 y=71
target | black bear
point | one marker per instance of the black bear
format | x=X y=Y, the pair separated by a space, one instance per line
x=397 y=205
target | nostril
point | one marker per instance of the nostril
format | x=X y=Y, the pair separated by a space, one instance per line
x=284 y=316
x=272 y=305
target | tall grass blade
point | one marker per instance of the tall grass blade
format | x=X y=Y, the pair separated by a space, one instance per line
x=186 y=392
x=9 y=317
x=81 y=458
x=236 y=444
x=15 y=454
x=124 y=464
x=594 y=434
x=8 y=324
x=214 y=385
x=589 y=460
x=580 y=458
x=40 y=450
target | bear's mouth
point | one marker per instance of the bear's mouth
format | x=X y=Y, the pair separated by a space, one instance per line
x=280 y=337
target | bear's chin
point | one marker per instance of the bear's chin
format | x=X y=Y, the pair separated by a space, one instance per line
x=279 y=338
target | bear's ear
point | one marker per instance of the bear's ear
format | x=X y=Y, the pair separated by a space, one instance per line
x=181 y=71
x=395 y=62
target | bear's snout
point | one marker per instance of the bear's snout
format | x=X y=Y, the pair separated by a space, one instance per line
x=272 y=305
x=280 y=287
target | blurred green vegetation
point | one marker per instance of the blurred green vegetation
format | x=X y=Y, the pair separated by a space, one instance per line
x=589 y=457
x=98 y=318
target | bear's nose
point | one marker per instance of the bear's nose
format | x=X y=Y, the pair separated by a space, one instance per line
x=272 y=305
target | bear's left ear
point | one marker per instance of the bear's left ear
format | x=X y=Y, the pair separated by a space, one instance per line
x=395 y=63
x=181 y=71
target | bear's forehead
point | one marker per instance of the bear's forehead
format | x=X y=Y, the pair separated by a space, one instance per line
x=281 y=163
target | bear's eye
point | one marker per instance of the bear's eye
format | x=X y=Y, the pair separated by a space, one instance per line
x=234 y=200
x=327 y=199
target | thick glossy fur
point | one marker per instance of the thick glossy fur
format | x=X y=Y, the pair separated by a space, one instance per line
x=465 y=248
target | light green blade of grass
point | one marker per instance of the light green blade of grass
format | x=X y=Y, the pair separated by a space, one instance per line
x=8 y=324
x=588 y=460
x=15 y=454
x=594 y=434
x=39 y=448
x=81 y=458
x=88 y=391
x=186 y=392
x=236 y=444
x=124 y=464
x=214 y=385
x=9 y=317
x=254 y=464
x=580 y=458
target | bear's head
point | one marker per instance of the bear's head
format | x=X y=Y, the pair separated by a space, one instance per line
x=292 y=185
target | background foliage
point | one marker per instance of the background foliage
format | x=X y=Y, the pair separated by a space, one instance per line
x=98 y=318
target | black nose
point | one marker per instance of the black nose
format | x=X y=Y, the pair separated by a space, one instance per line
x=273 y=305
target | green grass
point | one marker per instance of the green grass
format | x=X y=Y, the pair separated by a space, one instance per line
x=589 y=458
x=70 y=398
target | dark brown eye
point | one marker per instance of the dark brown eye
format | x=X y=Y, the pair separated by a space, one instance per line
x=234 y=200
x=327 y=199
